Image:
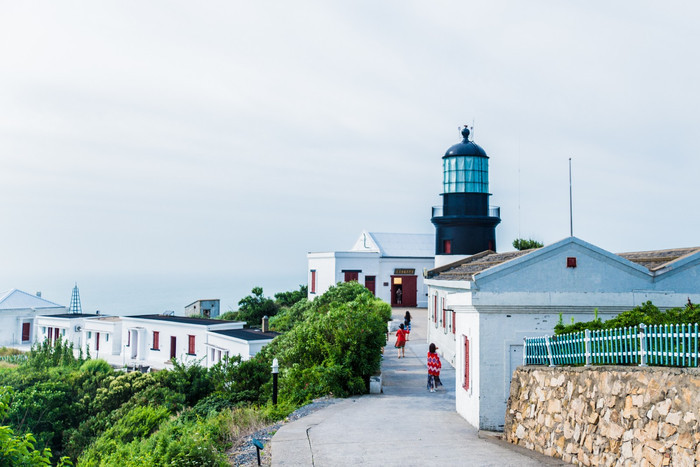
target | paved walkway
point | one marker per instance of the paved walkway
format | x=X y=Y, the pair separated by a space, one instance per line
x=405 y=426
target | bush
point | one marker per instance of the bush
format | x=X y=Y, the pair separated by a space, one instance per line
x=645 y=313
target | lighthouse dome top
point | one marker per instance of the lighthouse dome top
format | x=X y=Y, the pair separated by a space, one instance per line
x=466 y=147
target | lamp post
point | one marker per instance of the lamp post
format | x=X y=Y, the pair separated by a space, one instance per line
x=275 y=371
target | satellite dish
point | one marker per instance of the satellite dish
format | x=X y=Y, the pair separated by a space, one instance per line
x=78 y=328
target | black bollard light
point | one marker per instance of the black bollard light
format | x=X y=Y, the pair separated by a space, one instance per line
x=275 y=371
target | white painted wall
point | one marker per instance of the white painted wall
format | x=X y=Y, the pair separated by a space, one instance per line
x=11 y=324
x=330 y=266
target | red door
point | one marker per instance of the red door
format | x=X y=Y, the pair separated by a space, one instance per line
x=97 y=341
x=370 y=281
x=173 y=347
x=350 y=276
x=409 y=298
x=25 y=332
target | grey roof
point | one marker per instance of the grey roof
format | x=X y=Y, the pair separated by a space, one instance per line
x=405 y=245
x=182 y=319
x=657 y=259
x=17 y=300
x=73 y=315
x=465 y=269
x=247 y=334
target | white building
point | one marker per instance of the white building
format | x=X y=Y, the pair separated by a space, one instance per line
x=483 y=306
x=17 y=312
x=207 y=308
x=391 y=265
x=67 y=326
x=230 y=342
x=153 y=340
x=102 y=337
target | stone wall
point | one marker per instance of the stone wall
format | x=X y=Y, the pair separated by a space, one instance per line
x=609 y=415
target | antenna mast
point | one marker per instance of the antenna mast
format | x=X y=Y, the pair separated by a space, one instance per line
x=571 y=204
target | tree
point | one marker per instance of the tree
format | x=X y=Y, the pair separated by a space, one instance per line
x=253 y=307
x=522 y=244
x=291 y=297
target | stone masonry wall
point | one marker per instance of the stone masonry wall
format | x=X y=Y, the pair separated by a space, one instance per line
x=607 y=415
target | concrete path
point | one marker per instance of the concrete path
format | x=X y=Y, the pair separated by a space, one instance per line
x=406 y=425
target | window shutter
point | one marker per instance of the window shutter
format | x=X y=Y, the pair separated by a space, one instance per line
x=466 y=363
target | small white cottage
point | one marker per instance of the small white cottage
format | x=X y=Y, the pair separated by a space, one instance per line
x=481 y=307
x=17 y=313
x=390 y=265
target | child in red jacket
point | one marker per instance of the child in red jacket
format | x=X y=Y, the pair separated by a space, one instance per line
x=434 y=366
x=401 y=341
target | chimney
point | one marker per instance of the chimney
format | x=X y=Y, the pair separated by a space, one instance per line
x=265 y=326
x=38 y=294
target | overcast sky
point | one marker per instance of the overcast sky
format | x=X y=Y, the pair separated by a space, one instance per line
x=234 y=137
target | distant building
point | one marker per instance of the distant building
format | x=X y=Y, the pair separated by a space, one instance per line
x=17 y=313
x=390 y=265
x=66 y=326
x=206 y=308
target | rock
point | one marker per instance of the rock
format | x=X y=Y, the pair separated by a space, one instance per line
x=652 y=430
x=685 y=440
x=615 y=431
x=689 y=417
x=663 y=407
x=652 y=456
x=554 y=406
x=520 y=432
x=674 y=418
x=626 y=450
x=593 y=418
x=666 y=430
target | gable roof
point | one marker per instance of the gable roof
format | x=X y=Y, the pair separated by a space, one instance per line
x=397 y=245
x=15 y=299
x=465 y=269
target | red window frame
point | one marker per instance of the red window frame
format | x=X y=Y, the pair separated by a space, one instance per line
x=97 y=341
x=444 y=314
x=313 y=281
x=571 y=262
x=435 y=297
x=466 y=363
x=156 y=340
x=454 y=319
x=26 y=332
x=190 y=344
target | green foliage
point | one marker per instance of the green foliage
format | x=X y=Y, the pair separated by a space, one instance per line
x=335 y=347
x=287 y=299
x=229 y=316
x=522 y=244
x=646 y=313
x=287 y=318
x=138 y=423
x=8 y=351
x=252 y=308
x=96 y=366
x=46 y=355
x=19 y=450
x=192 y=381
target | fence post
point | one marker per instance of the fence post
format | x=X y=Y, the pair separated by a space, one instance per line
x=524 y=351
x=642 y=345
x=587 y=341
x=549 y=351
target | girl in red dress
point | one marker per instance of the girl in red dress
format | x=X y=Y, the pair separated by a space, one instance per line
x=401 y=341
x=434 y=366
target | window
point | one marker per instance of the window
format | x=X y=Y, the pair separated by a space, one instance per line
x=435 y=297
x=190 y=345
x=443 y=313
x=447 y=247
x=466 y=363
x=128 y=338
x=465 y=174
x=97 y=341
x=454 y=320
x=156 y=340
x=313 y=281
x=571 y=262
x=89 y=334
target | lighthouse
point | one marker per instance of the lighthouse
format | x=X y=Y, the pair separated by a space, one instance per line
x=465 y=224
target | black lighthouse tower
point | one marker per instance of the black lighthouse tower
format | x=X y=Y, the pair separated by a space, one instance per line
x=465 y=224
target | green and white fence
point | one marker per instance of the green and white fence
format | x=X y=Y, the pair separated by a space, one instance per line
x=659 y=345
